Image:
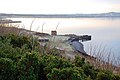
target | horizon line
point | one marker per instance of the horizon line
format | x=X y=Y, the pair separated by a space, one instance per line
x=62 y=13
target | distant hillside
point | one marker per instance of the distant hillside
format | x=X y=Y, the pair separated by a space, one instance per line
x=110 y=14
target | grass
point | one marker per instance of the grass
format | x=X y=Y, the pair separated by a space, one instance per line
x=104 y=59
x=8 y=28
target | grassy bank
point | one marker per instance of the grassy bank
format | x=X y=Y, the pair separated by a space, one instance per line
x=22 y=58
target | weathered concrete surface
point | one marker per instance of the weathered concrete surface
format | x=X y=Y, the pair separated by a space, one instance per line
x=71 y=48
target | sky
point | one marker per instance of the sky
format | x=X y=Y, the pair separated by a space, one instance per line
x=59 y=6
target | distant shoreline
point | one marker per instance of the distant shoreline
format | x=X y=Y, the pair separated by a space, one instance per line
x=102 y=15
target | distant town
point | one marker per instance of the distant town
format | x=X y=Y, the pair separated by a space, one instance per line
x=110 y=14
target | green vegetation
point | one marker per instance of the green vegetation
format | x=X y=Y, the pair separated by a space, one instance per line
x=21 y=58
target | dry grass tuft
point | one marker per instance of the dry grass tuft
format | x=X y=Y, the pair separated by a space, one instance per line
x=9 y=29
x=103 y=59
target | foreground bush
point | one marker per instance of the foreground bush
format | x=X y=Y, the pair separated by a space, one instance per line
x=66 y=74
x=20 y=59
x=7 y=69
x=28 y=67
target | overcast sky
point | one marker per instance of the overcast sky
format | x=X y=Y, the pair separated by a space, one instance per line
x=59 y=6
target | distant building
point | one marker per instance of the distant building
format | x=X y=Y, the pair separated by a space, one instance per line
x=53 y=32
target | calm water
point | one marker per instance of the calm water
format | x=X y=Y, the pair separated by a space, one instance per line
x=104 y=31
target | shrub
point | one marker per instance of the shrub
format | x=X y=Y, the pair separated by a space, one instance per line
x=89 y=71
x=79 y=62
x=56 y=62
x=19 y=41
x=87 y=68
x=66 y=74
x=115 y=77
x=7 y=69
x=48 y=62
x=104 y=75
x=41 y=72
x=14 y=46
x=28 y=66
